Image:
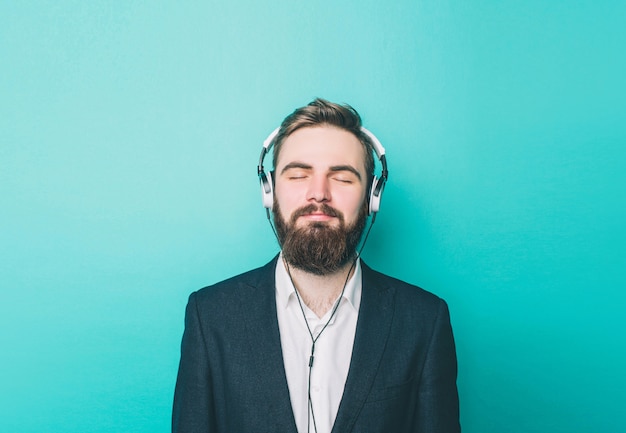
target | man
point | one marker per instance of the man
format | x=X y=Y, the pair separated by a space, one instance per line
x=316 y=341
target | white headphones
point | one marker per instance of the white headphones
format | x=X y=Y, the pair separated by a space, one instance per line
x=376 y=189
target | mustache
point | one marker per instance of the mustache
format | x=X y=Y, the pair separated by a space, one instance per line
x=308 y=209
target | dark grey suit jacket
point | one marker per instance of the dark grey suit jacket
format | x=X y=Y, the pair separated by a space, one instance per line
x=231 y=378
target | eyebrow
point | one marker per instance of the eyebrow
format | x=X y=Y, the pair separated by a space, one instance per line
x=334 y=168
x=296 y=165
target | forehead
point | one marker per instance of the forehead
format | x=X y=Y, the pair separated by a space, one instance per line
x=320 y=145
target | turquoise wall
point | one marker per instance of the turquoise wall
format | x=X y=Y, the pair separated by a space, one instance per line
x=129 y=138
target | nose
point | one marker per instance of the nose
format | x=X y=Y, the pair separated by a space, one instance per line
x=318 y=190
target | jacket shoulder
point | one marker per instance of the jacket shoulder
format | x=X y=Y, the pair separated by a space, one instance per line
x=234 y=286
x=407 y=293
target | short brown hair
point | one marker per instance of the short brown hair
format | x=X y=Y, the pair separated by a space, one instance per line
x=322 y=112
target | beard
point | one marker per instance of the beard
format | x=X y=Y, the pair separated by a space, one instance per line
x=317 y=247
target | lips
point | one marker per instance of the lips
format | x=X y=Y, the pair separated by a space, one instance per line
x=317 y=216
x=318 y=213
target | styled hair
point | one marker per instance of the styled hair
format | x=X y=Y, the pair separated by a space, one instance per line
x=319 y=113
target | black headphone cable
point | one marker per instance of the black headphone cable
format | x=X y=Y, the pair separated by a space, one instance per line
x=310 y=412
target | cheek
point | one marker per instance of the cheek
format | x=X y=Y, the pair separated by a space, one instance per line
x=286 y=200
x=352 y=205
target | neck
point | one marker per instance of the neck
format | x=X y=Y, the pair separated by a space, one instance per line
x=319 y=292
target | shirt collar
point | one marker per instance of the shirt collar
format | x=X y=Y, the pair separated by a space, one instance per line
x=285 y=290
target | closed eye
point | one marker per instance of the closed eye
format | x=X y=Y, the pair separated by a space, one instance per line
x=296 y=173
x=345 y=173
x=296 y=170
x=296 y=176
x=344 y=179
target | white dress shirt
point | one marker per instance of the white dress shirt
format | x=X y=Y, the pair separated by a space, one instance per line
x=333 y=349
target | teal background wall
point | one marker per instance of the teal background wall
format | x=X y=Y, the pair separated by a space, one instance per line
x=129 y=138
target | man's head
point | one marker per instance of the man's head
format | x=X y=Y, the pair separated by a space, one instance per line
x=324 y=113
x=323 y=165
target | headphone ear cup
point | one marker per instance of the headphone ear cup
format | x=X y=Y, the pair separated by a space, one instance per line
x=267 y=190
x=376 y=193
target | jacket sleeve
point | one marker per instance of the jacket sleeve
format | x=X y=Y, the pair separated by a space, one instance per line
x=193 y=410
x=438 y=400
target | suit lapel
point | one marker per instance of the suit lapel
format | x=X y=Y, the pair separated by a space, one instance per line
x=373 y=326
x=270 y=381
